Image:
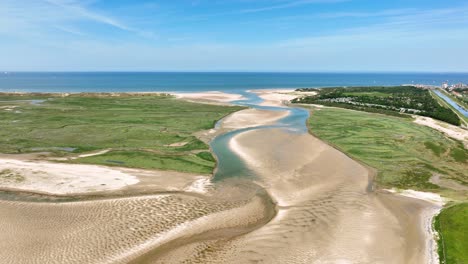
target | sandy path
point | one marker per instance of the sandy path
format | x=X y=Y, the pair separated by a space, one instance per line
x=449 y=130
x=325 y=213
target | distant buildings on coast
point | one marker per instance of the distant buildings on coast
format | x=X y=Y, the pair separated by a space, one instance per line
x=452 y=87
x=446 y=86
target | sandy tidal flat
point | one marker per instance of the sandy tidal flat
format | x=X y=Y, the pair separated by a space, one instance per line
x=252 y=118
x=212 y=97
x=57 y=178
x=120 y=230
x=326 y=213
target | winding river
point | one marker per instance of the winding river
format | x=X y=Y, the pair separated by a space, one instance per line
x=229 y=163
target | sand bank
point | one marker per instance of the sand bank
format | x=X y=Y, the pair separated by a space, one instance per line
x=279 y=97
x=59 y=178
x=242 y=119
x=275 y=97
x=449 y=130
x=120 y=230
x=36 y=176
x=252 y=118
x=209 y=97
x=325 y=213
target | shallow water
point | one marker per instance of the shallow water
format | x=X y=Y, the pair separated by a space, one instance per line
x=230 y=165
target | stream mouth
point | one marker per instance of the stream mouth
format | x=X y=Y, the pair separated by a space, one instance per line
x=230 y=165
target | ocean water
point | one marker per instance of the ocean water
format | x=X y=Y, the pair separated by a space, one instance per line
x=185 y=82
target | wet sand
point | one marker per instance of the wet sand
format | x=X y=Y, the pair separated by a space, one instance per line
x=326 y=213
x=120 y=230
x=252 y=118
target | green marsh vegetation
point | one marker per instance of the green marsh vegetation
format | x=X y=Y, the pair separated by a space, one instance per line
x=406 y=155
x=10 y=175
x=385 y=100
x=452 y=226
x=137 y=128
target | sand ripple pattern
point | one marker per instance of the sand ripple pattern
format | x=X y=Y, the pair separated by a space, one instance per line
x=326 y=214
x=114 y=231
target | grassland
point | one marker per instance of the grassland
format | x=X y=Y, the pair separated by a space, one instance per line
x=138 y=129
x=452 y=226
x=405 y=154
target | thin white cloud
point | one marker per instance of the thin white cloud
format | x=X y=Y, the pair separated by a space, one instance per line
x=37 y=18
x=290 y=5
x=85 y=13
x=383 y=13
x=70 y=30
x=397 y=24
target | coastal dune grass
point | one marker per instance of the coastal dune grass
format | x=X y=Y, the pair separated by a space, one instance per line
x=137 y=128
x=452 y=226
x=406 y=155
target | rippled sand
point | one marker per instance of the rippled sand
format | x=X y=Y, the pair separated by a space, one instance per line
x=326 y=213
x=120 y=230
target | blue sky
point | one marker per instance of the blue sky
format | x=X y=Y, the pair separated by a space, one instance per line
x=234 y=35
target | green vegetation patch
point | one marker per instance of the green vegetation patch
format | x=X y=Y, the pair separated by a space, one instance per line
x=148 y=160
x=10 y=175
x=437 y=149
x=459 y=154
x=452 y=226
x=405 y=154
x=141 y=123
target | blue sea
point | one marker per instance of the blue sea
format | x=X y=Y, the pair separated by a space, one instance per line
x=185 y=82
